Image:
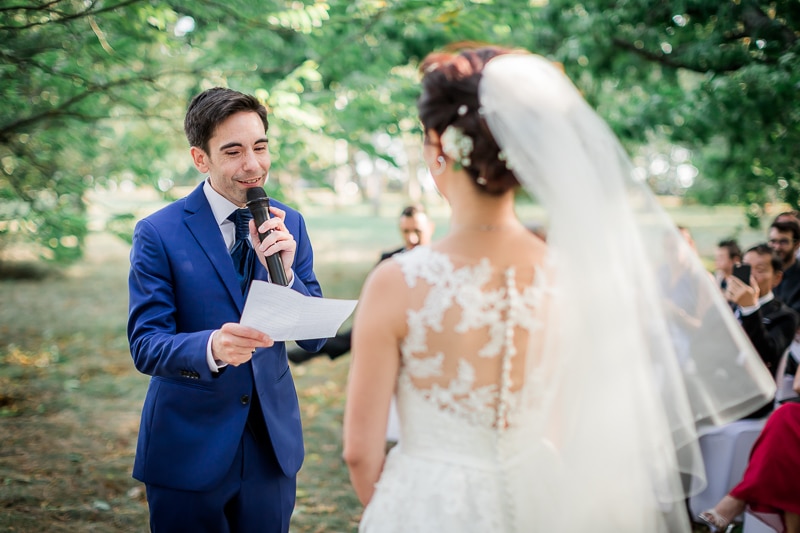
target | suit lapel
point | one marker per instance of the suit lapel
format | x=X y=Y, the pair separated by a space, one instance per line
x=203 y=226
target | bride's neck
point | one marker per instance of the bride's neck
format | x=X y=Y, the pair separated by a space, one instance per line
x=480 y=212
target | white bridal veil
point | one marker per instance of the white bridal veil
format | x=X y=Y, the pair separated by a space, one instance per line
x=641 y=345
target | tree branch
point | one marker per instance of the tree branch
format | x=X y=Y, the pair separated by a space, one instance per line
x=672 y=60
x=756 y=21
x=64 y=110
x=64 y=17
x=42 y=7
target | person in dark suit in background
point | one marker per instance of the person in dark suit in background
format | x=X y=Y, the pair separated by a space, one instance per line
x=784 y=238
x=789 y=216
x=416 y=228
x=220 y=440
x=727 y=255
x=769 y=323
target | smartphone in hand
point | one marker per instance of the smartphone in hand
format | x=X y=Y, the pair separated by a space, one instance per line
x=742 y=272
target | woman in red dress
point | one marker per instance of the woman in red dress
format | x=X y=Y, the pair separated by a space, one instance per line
x=770 y=488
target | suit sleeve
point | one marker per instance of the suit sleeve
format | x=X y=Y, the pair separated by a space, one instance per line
x=770 y=343
x=156 y=346
x=789 y=294
x=795 y=306
x=305 y=281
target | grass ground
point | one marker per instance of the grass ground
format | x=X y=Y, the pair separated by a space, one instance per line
x=70 y=397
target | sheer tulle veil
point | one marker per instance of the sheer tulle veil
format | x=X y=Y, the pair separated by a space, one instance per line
x=640 y=344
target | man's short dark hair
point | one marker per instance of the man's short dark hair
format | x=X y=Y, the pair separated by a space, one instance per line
x=764 y=249
x=788 y=226
x=732 y=247
x=411 y=211
x=210 y=108
x=795 y=214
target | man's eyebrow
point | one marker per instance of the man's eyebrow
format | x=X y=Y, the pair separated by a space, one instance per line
x=239 y=145
x=230 y=145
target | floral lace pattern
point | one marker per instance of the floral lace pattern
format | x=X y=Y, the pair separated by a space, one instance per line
x=499 y=310
x=469 y=445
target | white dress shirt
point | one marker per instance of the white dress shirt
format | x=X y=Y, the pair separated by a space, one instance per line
x=222 y=208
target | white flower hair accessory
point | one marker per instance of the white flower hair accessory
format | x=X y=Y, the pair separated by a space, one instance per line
x=502 y=156
x=457 y=146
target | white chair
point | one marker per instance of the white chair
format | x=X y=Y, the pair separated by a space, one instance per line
x=784 y=381
x=754 y=525
x=726 y=450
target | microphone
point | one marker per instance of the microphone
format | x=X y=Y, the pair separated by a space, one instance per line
x=258 y=204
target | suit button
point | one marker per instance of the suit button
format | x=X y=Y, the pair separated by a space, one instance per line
x=245 y=399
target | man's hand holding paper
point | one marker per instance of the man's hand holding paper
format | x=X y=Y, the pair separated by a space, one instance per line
x=286 y=315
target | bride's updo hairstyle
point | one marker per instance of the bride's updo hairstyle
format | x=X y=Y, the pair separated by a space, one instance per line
x=450 y=98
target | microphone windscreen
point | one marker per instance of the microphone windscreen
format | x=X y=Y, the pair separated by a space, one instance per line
x=255 y=193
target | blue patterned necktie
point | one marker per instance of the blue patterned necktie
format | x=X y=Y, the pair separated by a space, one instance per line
x=242 y=252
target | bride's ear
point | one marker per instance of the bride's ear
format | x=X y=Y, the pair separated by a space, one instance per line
x=432 y=138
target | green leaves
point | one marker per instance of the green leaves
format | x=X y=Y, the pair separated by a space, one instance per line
x=303 y=19
x=94 y=93
x=721 y=78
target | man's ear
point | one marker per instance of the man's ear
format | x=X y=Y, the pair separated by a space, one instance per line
x=777 y=276
x=200 y=159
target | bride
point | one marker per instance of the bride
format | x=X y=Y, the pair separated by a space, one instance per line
x=540 y=387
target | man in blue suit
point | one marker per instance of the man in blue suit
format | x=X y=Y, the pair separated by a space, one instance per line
x=220 y=441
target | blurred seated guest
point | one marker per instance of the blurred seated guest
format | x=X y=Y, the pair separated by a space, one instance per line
x=728 y=254
x=770 y=487
x=687 y=235
x=769 y=323
x=790 y=216
x=784 y=238
x=416 y=228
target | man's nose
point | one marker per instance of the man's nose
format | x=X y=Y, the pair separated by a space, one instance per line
x=250 y=160
x=413 y=238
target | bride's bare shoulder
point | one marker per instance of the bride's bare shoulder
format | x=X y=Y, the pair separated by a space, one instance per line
x=538 y=246
x=386 y=278
x=384 y=285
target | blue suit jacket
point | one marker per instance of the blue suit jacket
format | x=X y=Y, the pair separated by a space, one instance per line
x=183 y=285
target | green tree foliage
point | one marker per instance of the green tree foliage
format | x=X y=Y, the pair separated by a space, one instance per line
x=75 y=77
x=721 y=77
x=94 y=91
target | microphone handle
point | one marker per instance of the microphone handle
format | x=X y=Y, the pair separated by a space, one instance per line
x=275 y=268
x=274 y=264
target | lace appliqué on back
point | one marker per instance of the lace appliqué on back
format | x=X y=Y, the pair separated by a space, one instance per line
x=477 y=383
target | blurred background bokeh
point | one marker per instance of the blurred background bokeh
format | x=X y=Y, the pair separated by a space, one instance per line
x=703 y=94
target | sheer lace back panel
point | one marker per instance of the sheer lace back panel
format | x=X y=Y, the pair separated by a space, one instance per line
x=470 y=326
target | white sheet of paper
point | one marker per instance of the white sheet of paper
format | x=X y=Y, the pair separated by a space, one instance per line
x=286 y=315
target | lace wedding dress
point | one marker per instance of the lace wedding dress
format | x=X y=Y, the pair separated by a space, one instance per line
x=470 y=437
x=562 y=397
